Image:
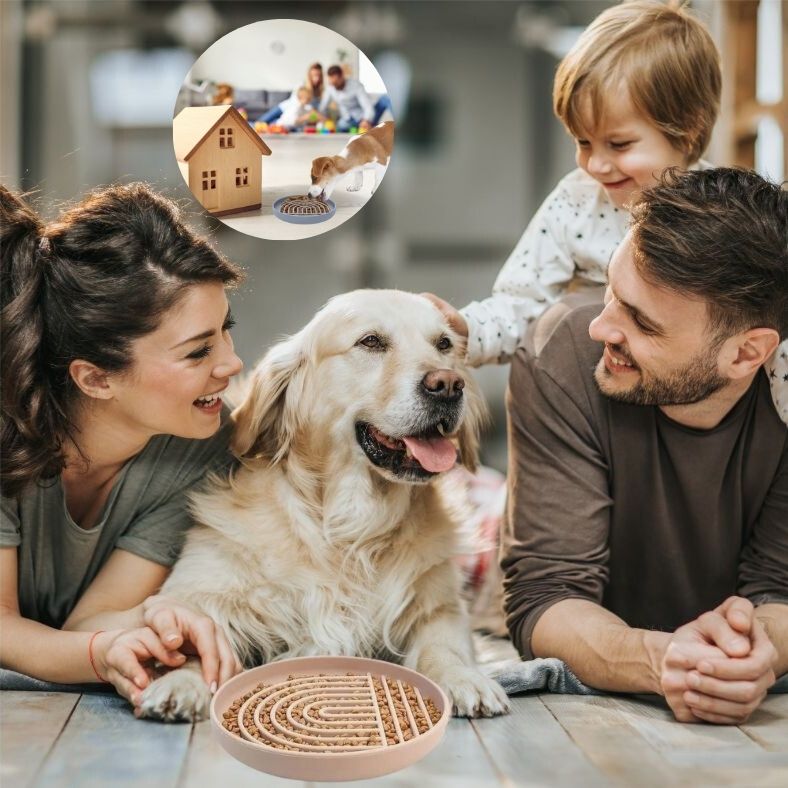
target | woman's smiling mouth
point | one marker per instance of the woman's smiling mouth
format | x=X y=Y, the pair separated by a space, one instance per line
x=209 y=403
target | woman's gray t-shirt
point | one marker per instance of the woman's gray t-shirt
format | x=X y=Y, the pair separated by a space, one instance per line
x=146 y=514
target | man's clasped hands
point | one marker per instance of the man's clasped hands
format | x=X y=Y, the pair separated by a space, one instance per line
x=718 y=667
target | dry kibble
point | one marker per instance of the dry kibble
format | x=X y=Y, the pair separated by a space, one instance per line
x=304 y=205
x=315 y=723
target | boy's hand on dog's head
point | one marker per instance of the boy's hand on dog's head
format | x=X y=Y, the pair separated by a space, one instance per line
x=456 y=321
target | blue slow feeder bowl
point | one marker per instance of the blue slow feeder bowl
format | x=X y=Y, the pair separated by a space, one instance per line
x=302 y=209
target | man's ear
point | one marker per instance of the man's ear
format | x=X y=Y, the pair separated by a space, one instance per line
x=751 y=350
x=90 y=380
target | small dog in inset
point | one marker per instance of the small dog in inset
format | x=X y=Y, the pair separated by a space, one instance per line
x=371 y=150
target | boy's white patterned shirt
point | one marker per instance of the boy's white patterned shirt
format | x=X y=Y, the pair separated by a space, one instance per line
x=567 y=244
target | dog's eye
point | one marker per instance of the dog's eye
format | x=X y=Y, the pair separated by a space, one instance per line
x=373 y=342
x=444 y=344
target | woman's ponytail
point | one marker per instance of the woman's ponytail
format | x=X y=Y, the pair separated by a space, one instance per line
x=31 y=421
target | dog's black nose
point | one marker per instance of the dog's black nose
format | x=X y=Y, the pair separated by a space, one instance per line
x=444 y=384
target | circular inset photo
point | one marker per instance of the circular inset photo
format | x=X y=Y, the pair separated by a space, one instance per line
x=283 y=129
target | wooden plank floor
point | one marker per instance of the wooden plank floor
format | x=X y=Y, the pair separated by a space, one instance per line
x=68 y=741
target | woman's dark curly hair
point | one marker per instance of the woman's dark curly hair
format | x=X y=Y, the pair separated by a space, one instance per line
x=85 y=288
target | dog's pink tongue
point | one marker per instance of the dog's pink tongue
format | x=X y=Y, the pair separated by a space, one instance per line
x=434 y=454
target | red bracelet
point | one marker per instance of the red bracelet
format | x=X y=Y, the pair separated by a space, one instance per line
x=90 y=656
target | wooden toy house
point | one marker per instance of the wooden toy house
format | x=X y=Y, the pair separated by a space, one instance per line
x=220 y=158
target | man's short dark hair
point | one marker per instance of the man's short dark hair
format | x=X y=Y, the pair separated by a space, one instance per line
x=334 y=71
x=721 y=235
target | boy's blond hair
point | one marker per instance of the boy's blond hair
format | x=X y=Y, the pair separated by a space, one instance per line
x=664 y=56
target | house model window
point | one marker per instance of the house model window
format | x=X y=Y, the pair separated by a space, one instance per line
x=241 y=176
x=208 y=177
x=226 y=138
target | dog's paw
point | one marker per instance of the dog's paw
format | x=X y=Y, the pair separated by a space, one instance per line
x=473 y=694
x=356 y=182
x=177 y=695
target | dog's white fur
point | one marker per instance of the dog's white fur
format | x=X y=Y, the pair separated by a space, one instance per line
x=371 y=150
x=311 y=549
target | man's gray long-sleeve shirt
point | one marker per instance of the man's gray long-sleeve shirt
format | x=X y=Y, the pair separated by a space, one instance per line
x=352 y=100
x=620 y=505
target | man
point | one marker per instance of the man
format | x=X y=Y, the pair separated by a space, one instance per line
x=354 y=104
x=646 y=541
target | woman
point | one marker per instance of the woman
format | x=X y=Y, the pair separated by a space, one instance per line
x=314 y=84
x=115 y=349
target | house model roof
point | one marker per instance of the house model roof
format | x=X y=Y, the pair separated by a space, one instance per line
x=193 y=124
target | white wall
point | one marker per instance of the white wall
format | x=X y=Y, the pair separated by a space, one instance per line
x=369 y=75
x=272 y=55
x=11 y=21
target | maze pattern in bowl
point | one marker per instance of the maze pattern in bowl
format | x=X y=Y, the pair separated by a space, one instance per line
x=303 y=209
x=332 y=713
x=329 y=718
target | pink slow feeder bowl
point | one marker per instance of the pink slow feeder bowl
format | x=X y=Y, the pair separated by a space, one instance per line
x=330 y=718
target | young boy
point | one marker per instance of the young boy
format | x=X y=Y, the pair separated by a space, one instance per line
x=297 y=110
x=639 y=92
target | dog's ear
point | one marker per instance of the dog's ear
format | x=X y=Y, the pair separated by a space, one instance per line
x=264 y=423
x=476 y=416
x=319 y=166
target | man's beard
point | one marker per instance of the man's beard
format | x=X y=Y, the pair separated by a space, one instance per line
x=695 y=381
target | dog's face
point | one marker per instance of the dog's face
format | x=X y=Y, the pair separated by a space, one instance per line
x=323 y=172
x=377 y=380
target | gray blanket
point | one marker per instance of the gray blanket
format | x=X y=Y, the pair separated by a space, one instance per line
x=538 y=675
x=535 y=675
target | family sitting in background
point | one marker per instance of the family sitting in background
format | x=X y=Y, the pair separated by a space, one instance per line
x=312 y=102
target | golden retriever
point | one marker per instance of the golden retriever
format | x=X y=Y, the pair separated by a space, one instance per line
x=334 y=534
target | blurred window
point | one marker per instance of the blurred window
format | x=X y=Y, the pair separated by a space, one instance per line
x=753 y=117
x=135 y=88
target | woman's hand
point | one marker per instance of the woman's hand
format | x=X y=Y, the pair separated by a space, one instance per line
x=120 y=657
x=179 y=626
